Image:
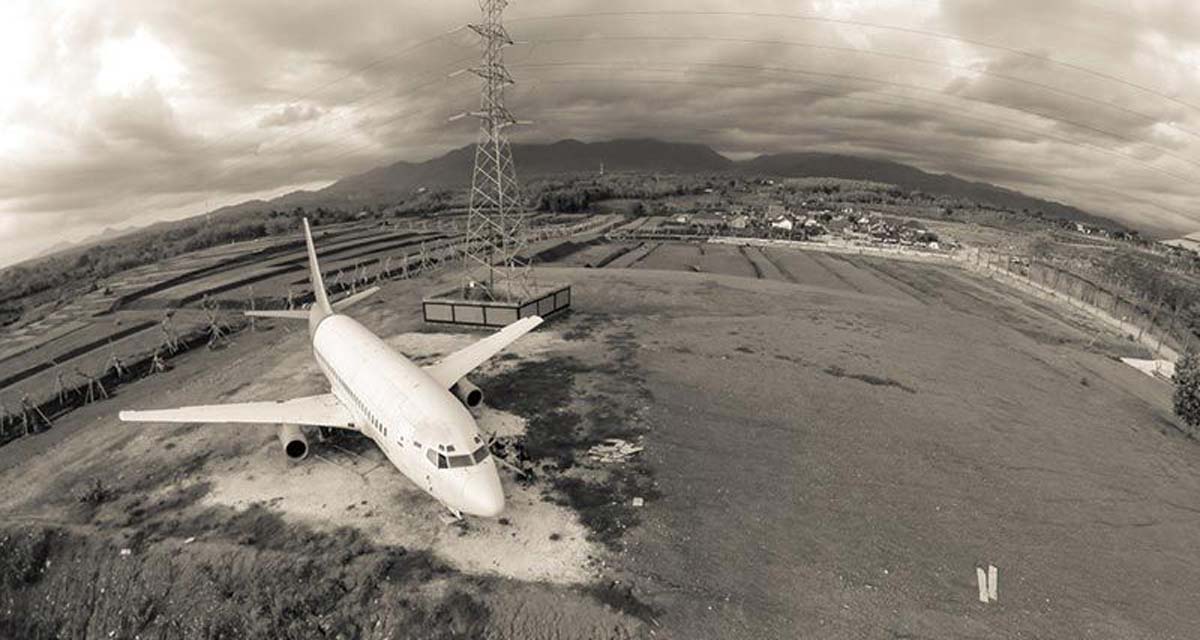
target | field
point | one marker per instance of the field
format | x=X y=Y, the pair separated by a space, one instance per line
x=124 y=319
x=833 y=444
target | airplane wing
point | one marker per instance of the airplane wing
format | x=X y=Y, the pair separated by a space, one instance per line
x=323 y=410
x=453 y=367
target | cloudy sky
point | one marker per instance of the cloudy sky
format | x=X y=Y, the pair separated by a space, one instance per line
x=120 y=112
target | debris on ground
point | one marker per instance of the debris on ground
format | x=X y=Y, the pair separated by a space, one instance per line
x=613 y=450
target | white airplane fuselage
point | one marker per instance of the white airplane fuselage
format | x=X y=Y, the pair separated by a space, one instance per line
x=422 y=428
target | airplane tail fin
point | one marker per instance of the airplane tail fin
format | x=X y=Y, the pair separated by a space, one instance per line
x=321 y=299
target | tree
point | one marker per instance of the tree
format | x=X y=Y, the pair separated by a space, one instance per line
x=1187 y=388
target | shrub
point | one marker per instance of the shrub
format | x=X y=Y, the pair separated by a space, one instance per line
x=1187 y=388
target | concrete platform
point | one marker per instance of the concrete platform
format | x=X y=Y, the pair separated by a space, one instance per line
x=451 y=307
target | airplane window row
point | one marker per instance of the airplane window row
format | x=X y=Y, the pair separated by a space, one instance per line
x=375 y=422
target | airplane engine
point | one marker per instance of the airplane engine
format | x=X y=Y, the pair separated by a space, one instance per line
x=295 y=443
x=470 y=395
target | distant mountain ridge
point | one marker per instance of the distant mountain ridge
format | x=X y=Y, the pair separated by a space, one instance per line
x=565 y=156
x=453 y=169
x=108 y=233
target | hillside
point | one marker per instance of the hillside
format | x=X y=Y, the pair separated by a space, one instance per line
x=647 y=155
x=402 y=181
x=910 y=178
x=1190 y=242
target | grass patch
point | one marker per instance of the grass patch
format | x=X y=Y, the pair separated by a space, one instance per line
x=605 y=507
x=248 y=574
x=540 y=391
x=585 y=325
x=23 y=554
x=621 y=598
x=292 y=582
x=609 y=419
x=137 y=511
x=459 y=615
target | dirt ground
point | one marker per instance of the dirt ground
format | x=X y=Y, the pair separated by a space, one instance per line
x=113 y=504
x=831 y=450
x=835 y=461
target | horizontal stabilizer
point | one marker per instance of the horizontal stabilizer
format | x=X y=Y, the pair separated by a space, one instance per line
x=453 y=367
x=354 y=299
x=323 y=411
x=286 y=314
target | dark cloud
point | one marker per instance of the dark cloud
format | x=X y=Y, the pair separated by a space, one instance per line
x=1086 y=102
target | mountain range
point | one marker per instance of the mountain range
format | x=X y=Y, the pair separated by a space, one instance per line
x=399 y=180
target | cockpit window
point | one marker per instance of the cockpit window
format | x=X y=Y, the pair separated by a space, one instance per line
x=442 y=461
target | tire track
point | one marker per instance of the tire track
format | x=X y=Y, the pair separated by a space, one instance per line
x=788 y=275
x=758 y=272
x=839 y=277
x=644 y=255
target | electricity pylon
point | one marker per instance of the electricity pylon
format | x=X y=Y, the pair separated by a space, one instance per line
x=496 y=217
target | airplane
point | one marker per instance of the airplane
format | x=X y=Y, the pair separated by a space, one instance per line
x=418 y=416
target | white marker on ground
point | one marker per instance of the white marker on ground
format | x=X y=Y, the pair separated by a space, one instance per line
x=987 y=583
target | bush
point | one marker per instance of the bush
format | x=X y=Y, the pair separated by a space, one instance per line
x=1187 y=388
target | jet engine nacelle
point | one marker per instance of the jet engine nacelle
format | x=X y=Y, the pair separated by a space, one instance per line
x=295 y=443
x=470 y=395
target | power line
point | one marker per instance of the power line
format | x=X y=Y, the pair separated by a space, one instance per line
x=869 y=25
x=872 y=52
x=797 y=71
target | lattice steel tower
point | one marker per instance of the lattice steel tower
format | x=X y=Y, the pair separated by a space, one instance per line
x=496 y=218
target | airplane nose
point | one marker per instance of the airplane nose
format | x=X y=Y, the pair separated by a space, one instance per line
x=482 y=495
